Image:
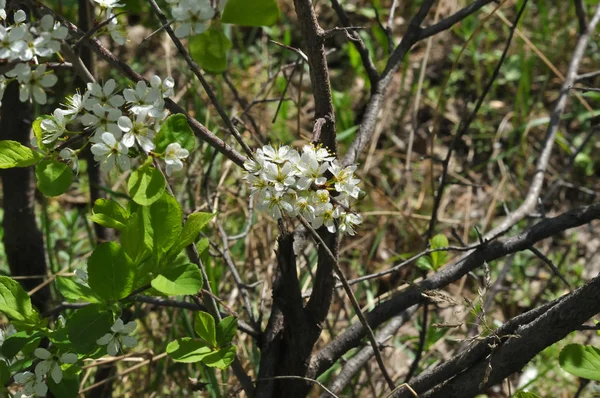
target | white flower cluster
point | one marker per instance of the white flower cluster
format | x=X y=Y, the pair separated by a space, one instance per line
x=106 y=10
x=118 y=122
x=192 y=16
x=49 y=365
x=22 y=44
x=119 y=337
x=311 y=184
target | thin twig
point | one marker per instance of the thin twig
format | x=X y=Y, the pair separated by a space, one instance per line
x=353 y=300
x=196 y=70
x=463 y=127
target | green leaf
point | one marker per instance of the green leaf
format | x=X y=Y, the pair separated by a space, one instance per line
x=210 y=49
x=221 y=358
x=204 y=325
x=165 y=219
x=53 y=178
x=18 y=341
x=226 y=330
x=109 y=214
x=251 y=13
x=16 y=304
x=175 y=129
x=581 y=360
x=110 y=272
x=188 y=350
x=86 y=326
x=438 y=258
x=67 y=388
x=74 y=291
x=136 y=237
x=178 y=281
x=146 y=185
x=190 y=232
x=5 y=373
x=13 y=154
x=36 y=126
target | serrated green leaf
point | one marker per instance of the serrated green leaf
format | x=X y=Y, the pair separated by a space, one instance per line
x=111 y=272
x=221 y=358
x=86 y=326
x=204 y=325
x=210 y=48
x=53 y=178
x=16 y=304
x=109 y=214
x=438 y=258
x=146 y=185
x=226 y=330
x=188 y=350
x=74 y=291
x=182 y=280
x=190 y=232
x=13 y=154
x=251 y=13
x=175 y=129
x=581 y=360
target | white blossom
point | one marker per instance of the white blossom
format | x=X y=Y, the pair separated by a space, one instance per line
x=103 y=120
x=142 y=98
x=104 y=95
x=32 y=384
x=54 y=127
x=173 y=156
x=311 y=184
x=33 y=83
x=137 y=131
x=118 y=34
x=165 y=87
x=2 y=9
x=109 y=3
x=75 y=103
x=70 y=156
x=51 y=363
x=110 y=150
x=119 y=338
x=192 y=16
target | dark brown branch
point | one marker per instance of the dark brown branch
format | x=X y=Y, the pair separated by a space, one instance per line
x=412 y=295
x=481 y=349
x=517 y=350
x=413 y=34
x=359 y=44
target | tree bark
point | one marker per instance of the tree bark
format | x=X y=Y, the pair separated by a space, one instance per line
x=23 y=242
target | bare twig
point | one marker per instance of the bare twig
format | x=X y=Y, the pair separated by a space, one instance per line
x=353 y=300
x=412 y=295
x=194 y=67
x=464 y=126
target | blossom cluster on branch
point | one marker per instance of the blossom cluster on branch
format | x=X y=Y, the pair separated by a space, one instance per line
x=22 y=46
x=121 y=124
x=312 y=184
x=192 y=16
